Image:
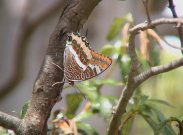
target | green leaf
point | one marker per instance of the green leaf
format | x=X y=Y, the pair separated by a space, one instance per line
x=153 y=117
x=117 y=24
x=112 y=99
x=95 y=106
x=115 y=28
x=124 y=63
x=166 y=130
x=83 y=115
x=126 y=130
x=89 y=89
x=24 y=110
x=144 y=109
x=163 y=102
x=144 y=98
x=107 y=49
x=86 y=129
x=73 y=102
x=3 y=131
x=105 y=106
x=108 y=81
x=150 y=121
x=129 y=17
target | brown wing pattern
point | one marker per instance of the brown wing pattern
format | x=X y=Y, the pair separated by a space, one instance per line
x=97 y=65
x=103 y=62
x=79 y=50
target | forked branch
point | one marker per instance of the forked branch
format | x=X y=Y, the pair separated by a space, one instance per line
x=157 y=70
x=135 y=80
x=8 y=121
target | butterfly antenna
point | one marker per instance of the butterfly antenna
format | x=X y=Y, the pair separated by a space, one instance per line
x=60 y=69
x=86 y=33
x=59 y=82
x=57 y=66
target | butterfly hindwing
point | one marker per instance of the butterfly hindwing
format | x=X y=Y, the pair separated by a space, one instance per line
x=83 y=63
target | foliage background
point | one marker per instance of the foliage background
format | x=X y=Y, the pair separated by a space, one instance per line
x=167 y=86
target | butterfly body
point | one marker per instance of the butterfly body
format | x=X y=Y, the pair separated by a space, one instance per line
x=82 y=62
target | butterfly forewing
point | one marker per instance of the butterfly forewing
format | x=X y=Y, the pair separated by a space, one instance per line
x=81 y=62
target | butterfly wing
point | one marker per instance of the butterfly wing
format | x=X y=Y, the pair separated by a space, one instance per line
x=95 y=66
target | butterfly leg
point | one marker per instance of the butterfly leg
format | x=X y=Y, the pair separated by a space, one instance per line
x=59 y=82
x=86 y=34
x=57 y=66
x=60 y=69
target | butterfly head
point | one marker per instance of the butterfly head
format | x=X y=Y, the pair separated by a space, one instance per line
x=69 y=40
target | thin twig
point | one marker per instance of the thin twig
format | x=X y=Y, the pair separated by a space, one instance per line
x=157 y=70
x=144 y=26
x=171 y=119
x=145 y=3
x=159 y=38
x=172 y=8
x=179 y=27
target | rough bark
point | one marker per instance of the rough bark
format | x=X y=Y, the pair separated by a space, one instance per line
x=44 y=95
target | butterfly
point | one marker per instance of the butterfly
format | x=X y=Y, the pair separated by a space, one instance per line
x=81 y=61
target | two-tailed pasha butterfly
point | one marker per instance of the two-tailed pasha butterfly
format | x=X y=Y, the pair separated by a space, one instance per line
x=81 y=61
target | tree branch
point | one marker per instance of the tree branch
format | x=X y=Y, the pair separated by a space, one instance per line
x=157 y=70
x=128 y=91
x=145 y=3
x=179 y=28
x=144 y=26
x=44 y=95
x=8 y=121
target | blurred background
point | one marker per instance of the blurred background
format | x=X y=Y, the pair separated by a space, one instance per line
x=16 y=15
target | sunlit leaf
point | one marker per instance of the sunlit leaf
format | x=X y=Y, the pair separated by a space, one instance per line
x=89 y=89
x=108 y=82
x=95 y=107
x=124 y=64
x=86 y=129
x=155 y=56
x=24 y=110
x=73 y=101
x=83 y=115
x=166 y=130
x=105 y=106
x=150 y=121
x=115 y=28
x=159 y=101
x=3 y=131
x=107 y=49
x=112 y=99
x=126 y=129
x=144 y=108
x=143 y=99
x=117 y=24
x=129 y=17
x=118 y=49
